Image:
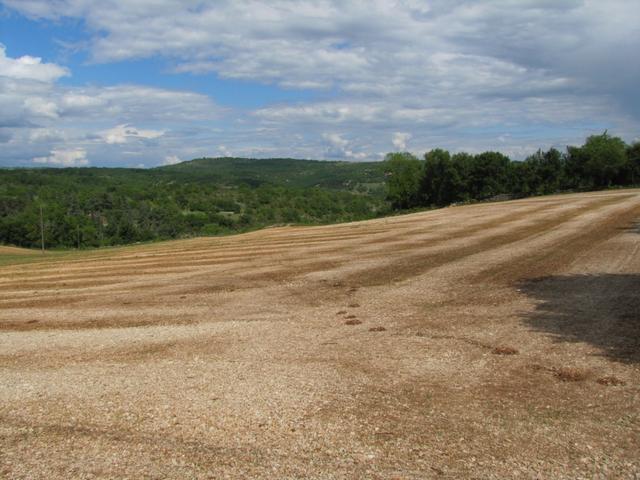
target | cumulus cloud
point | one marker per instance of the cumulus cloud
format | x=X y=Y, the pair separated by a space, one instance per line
x=456 y=74
x=341 y=148
x=316 y=44
x=29 y=68
x=400 y=140
x=65 y=158
x=336 y=140
x=25 y=87
x=38 y=114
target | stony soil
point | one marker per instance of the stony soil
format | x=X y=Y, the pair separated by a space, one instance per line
x=487 y=341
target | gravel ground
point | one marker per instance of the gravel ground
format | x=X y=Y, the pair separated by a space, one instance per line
x=486 y=341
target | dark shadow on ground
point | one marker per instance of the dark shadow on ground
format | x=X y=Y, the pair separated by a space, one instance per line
x=633 y=228
x=603 y=310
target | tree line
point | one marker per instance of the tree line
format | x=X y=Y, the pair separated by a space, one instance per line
x=94 y=207
x=88 y=208
x=443 y=179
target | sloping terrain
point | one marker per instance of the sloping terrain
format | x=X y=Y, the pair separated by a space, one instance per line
x=487 y=341
x=7 y=250
x=97 y=207
x=275 y=171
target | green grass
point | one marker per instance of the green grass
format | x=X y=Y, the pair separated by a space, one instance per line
x=23 y=258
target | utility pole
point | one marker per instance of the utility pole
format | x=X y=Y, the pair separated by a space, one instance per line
x=41 y=230
x=100 y=227
x=78 y=235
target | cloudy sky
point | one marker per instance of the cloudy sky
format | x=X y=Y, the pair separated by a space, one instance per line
x=150 y=82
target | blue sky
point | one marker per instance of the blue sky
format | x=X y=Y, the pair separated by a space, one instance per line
x=59 y=42
x=151 y=82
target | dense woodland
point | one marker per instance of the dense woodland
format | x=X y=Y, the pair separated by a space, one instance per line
x=442 y=179
x=93 y=207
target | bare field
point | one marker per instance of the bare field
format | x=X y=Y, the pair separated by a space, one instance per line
x=5 y=250
x=487 y=341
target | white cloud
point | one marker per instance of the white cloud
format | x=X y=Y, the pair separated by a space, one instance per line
x=335 y=139
x=224 y=151
x=25 y=88
x=65 y=158
x=29 y=68
x=74 y=102
x=400 y=140
x=38 y=135
x=41 y=107
x=341 y=148
x=137 y=103
x=316 y=44
x=330 y=112
x=38 y=115
x=423 y=74
x=124 y=133
x=171 y=160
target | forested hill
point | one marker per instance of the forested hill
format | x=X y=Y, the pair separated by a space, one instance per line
x=91 y=207
x=278 y=171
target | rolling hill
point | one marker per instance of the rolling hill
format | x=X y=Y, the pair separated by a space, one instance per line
x=277 y=172
x=92 y=207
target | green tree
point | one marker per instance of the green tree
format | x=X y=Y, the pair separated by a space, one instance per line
x=442 y=183
x=632 y=168
x=540 y=173
x=404 y=173
x=597 y=163
x=489 y=175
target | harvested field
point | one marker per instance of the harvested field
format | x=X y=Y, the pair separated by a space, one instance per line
x=487 y=341
x=5 y=250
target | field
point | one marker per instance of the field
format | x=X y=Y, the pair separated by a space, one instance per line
x=498 y=340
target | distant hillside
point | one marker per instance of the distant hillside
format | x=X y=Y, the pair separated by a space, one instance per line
x=91 y=207
x=279 y=171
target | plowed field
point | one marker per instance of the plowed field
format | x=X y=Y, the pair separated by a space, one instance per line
x=497 y=340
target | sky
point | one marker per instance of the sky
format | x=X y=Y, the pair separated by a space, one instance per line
x=143 y=83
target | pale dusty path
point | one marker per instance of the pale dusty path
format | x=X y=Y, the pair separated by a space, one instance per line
x=231 y=357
